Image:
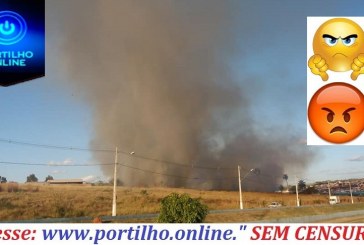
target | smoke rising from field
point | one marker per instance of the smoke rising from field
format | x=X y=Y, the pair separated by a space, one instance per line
x=158 y=77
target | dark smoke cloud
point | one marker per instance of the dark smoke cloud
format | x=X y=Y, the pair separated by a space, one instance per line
x=157 y=76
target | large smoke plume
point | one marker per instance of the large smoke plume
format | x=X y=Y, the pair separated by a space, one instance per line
x=157 y=76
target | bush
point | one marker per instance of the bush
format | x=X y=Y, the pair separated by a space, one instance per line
x=144 y=192
x=13 y=187
x=177 y=208
x=63 y=207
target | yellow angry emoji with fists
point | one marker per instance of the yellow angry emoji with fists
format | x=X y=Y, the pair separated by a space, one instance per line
x=338 y=46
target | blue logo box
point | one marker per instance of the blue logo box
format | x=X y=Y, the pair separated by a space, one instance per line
x=22 y=41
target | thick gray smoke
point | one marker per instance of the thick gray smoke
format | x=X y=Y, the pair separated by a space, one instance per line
x=157 y=75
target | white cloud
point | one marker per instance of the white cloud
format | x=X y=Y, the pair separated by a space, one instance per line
x=65 y=162
x=58 y=172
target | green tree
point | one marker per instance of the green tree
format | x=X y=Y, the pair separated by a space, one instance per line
x=32 y=178
x=281 y=188
x=311 y=190
x=292 y=189
x=182 y=208
x=48 y=178
x=301 y=185
x=3 y=179
x=285 y=177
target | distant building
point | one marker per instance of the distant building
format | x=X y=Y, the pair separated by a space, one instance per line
x=66 y=182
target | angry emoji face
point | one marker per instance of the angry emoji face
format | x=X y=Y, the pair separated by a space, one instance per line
x=339 y=41
x=336 y=112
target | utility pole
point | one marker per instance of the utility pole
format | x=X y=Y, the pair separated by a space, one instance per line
x=328 y=186
x=351 y=194
x=298 y=200
x=115 y=183
x=253 y=170
x=240 y=194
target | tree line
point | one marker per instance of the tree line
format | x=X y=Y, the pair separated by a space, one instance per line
x=30 y=178
x=33 y=178
x=301 y=187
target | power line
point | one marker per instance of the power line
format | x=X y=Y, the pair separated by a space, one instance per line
x=47 y=146
x=139 y=156
x=53 y=165
x=135 y=155
x=172 y=175
x=124 y=165
x=226 y=178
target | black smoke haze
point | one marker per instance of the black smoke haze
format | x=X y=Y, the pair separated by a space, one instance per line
x=158 y=77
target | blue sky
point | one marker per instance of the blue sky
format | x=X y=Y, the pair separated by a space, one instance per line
x=33 y=112
x=273 y=51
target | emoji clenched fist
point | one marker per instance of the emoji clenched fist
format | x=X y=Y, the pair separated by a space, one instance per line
x=357 y=66
x=318 y=66
x=338 y=45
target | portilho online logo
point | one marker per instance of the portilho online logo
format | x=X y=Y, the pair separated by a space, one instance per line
x=13 y=28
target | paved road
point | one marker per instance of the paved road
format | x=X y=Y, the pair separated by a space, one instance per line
x=353 y=219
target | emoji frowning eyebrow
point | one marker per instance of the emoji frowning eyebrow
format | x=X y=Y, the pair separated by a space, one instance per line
x=328 y=110
x=329 y=36
x=348 y=110
x=335 y=38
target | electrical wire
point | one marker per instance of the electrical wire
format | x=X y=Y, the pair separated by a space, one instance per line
x=134 y=155
x=53 y=165
x=225 y=178
x=139 y=156
x=10 y=141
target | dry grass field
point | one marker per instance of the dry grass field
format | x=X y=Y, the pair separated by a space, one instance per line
x=36 y=201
